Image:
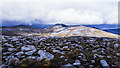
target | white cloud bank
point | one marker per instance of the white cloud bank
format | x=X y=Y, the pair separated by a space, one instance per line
x=65 y=11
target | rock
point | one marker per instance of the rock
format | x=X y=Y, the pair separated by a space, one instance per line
x=10 y=67
x=41 y=39
x=66 y=59
x=9 y=57
x=9 y=45
x=6 y=53
x=65 y=47
x=116 y=45
x=46 y=55
x=30 y=52
x=77 y=63
x=19 y=54
x=118 y=54
x=28 y=47
x=84 y=59
x=41 y=43
x=12 y=49
x=92 y=61
x=80 y=56
x=109 y=57
x=94 y=50
x=61 y=56
x=68 y=66
x=62 y=52
x=91 y=66
x=13 y=58
x=48 y=44
x=4 y=66
x=58 y=51
x=81 y=66
x=101 y=56
x=114 y=66
x=32 y=57
x=104 y=64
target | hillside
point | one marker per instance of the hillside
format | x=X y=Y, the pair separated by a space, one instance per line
x=79 y=31
x=57 y=30
x=20 y=30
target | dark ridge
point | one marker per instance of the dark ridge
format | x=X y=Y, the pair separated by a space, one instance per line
x=63 y=25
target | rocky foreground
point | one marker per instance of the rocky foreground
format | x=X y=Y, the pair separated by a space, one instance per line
x=76 y=52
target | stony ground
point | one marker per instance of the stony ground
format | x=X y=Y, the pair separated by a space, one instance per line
x=77 y=52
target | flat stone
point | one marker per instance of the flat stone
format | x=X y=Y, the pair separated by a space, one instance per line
x=61 y=56
x=118 y=54
x=67 y=66
x=58 y=51
x=91 y=66
x=3 y=66
x=116 y=45
x=19 y=54
x=77 y=63
x=104 y=64
x=28 y=47
x=65 y=47
x=92 y=61
x=9 y=45
x=12 y=49
x=44 y=54
x=30 y=52
x=6 y=53
x=32 y=57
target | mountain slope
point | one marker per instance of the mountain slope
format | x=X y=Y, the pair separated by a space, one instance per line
x=57 y=30
x=19 y=30
x=81 y=31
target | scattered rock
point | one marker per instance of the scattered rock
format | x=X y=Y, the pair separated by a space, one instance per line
x=118 y=54
x=92 y=61
x=65 y=47
x=46 y=55
x=32 y=57
x=91 y=66
x=58 y=51
x=104 y=64
x=19 y=54
x=30 y=52
x=12 y=49
x=28 y=47
x=9 y=45
x=61 y=56
x=77 y=63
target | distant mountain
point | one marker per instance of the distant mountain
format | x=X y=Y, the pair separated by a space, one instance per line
x=19 y=30
x=63 y=25
x=81 y=31
x=57 y=30
x=112 y=28
x=115 y=31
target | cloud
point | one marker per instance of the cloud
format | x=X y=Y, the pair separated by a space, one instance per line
x=67 y=12
x=72 y=16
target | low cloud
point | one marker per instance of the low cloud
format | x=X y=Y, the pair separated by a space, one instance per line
x=67 y=12
x=72 y=16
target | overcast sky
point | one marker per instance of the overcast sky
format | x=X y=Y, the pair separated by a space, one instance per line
x=60 y=11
